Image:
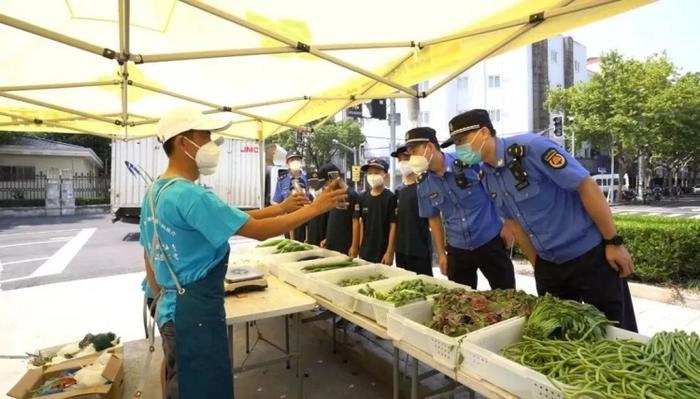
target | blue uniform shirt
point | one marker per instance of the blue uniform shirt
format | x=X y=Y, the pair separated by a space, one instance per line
x=549 y=209
x=284 y=187
x=469 y=216
x=194 y=226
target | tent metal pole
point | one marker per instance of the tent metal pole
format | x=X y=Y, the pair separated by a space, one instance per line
x=291 y=117
x=292 y=43
x=80 y=118
x=55 y=36
x=486 y=54
x=60 y=108
x=562 y=10
x=212 y=105
x=124 y=14
x=39 y=122
x=331 y=115
x=192 y=55
x=272 y=102
x=261 y=142
x=59 y=85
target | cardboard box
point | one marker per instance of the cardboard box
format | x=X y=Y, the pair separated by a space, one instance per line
x=114 y=371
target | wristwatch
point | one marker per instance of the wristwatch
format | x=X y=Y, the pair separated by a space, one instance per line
x=617 y=240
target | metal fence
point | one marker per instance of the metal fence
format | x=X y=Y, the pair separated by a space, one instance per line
x=91 y=188
x=24 y=190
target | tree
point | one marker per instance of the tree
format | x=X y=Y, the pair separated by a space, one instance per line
x=630 y=108
x=318 y=147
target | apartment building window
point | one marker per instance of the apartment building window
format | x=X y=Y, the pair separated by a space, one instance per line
x=495 y=115
x=462 y=83
x=554 y=55
x=577 y=66
x=494 y=81
x=424 y=118
x=423 y=86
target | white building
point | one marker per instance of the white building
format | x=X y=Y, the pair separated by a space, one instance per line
x=511 y=86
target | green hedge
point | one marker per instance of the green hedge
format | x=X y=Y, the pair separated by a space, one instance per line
x=665 y=250
x=16 y=203
x=91 y=201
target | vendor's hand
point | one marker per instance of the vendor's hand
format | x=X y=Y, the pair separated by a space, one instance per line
x=619 y=259
x=322 y=244
x=388 y=259
x=442 y=262
x=353 y=252
x=507 y=236
x=294 y=202
x=330 y=197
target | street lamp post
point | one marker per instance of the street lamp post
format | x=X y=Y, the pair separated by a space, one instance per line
x=350 y=149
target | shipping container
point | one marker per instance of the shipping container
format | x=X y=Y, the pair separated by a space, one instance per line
x=136 y=163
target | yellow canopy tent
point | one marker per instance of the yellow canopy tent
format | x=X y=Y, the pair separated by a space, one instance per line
x=110 y=68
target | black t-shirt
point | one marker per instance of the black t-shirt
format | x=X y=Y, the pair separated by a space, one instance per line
x=339 y=225
x=377 y=214
x=316 y=229
x=412 y=233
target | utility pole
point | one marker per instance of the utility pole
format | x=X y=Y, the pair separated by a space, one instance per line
x=392 y=142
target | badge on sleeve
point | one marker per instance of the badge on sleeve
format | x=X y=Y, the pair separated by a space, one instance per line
x=433 y=195
x=554 y=159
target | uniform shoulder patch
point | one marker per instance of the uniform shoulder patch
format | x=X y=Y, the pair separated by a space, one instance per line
x=554 y=159
x=481 y=174
x=421 y=177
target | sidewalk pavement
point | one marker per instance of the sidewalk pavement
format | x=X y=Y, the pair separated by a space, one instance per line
x=49 y=315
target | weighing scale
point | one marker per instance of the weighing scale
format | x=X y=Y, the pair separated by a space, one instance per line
x=243 y=279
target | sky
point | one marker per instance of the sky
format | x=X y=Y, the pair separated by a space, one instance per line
x=670 y=25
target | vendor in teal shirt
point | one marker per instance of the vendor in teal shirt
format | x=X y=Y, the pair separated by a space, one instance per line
x=185 y=230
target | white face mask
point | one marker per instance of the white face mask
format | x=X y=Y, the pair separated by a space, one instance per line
x=419 y=163
x=295 y=165
x=405 y=168
x=207 y=157
x=375 y=180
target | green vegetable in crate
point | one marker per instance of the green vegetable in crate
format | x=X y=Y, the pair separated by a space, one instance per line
x=405 y=292
x=347 y=282
x=270 y=243
x=458 y=311
x=286 y=246
x=666 y=367
x=326 y=266
x=556 y=318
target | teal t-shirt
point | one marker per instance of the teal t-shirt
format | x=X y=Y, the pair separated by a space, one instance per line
x=194 y=227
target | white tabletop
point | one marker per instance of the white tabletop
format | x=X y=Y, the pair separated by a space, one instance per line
x=278 y=299
x=357 y=319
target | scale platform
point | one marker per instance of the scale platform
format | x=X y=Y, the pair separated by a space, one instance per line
x=243 y=279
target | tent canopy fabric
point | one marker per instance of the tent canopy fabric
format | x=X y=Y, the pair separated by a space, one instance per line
x=112 y=67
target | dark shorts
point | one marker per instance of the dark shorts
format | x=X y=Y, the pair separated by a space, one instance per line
x=588 y=278
x=418 y=264
x=491 y=258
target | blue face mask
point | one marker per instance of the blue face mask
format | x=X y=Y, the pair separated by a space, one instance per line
x=467 y=154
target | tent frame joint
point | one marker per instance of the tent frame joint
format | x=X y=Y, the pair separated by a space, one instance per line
x=537 y=18
x=109 y=53
x=303 y=47
x=226 y=108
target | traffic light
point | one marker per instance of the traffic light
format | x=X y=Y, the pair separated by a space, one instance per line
x=558 y=127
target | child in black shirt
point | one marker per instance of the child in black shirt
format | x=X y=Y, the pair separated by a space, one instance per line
x=377 y=213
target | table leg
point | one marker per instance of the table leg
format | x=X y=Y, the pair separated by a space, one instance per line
x=396 y=373
x=247 y=337
x=333 y=320
x=300 y=363
x=414 y=379
x=286 y=336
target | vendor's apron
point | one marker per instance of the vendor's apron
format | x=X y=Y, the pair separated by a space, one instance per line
x=203 y=361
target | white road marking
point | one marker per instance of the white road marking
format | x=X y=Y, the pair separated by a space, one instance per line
x=60 y=260
x=36 y=232
x=60 y=238
x=14 y=262
x=33 y=243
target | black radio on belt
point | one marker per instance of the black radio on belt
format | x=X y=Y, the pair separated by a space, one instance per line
x=460 y=177
x=516 y=167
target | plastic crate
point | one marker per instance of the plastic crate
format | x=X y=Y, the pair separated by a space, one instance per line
x=481 y=357
x=325 y=284
x=291 y=272
x=273 y=261
x=377 y=310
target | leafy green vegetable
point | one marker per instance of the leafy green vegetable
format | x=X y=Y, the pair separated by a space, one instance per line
x=286 y=246
x=554 y=318
x=357 y=281
x=325 y=266
x=405 y=292
x=270 y=243
x=458 y=311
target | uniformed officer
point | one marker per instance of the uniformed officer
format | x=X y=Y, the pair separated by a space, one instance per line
x=316 y=228
x=293 y=181
x=557 y=213
x=449 y=192
x=413 y=242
